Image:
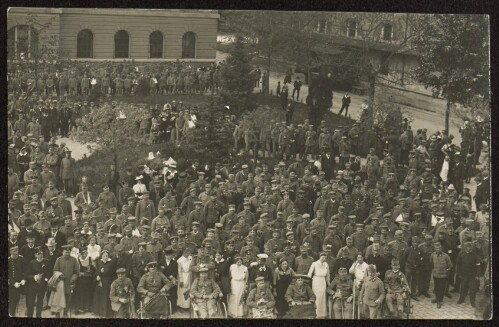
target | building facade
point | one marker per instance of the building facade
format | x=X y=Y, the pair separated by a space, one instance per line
x=384 y=37
x=113 y=34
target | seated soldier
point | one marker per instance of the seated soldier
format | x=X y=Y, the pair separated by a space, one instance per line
x=300 y=298
x=260 y=300
x=396 y=289
x=204 y=292
x=340 y=290
x=152 y=284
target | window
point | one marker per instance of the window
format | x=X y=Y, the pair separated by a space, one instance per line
x=121 y=44
x=322 y=26
x=352 y=29
x=85 y=44
x=387 y=32
x=189 y=45
x=156 y=45
x=22 y=42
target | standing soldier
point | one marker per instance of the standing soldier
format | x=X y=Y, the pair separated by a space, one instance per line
x=122 y=295
x=37 y=274
x=396 y=289
x=145 y=208
x=441 y=265
x=345 y=149
x=16 y=266
x=66 y=172
x=372 y=293
x=70 y=269
x=72 y=83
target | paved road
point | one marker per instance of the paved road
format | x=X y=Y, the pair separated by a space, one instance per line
x=422 y=309
x=422 y=119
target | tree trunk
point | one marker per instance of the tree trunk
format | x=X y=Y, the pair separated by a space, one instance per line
x=447 y=115
x=371 y=92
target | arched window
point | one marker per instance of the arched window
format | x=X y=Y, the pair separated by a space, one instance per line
x=352 y=28
x=189 y=45
x=387 y=33
x=85 y=44
x=121 y=44
x=156 y=45
x=22 y=42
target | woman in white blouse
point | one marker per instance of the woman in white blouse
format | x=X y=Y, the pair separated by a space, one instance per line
x=319 y=272
x=93 y=248
x=184 y=279
x=238 y=280
x=359 y=269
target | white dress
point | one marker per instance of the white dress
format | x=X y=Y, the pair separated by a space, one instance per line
x=318 y=271
x=184 y=276
x=238 y=275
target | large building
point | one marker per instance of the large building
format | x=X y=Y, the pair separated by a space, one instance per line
x=384 y=37
x=113 y=34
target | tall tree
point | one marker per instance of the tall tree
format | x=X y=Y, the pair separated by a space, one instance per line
x=238 y=78
x=210 y=139
x=454 y=58
x=264 y=28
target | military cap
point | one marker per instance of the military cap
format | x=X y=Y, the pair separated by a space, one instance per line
x=151 y=264
x=359 y=225
x=395 y=263
x=120 y=271
x=260 y=278
x=289 y=233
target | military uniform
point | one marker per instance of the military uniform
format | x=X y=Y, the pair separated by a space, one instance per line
x=16 y=268
x=200 y=289
x=152 y=283
x=395 y=284
x=341 y=290
x=397 y=248
x=351 y=252
x=255 y=296
x=302 y=265
x=121 y=290
x=372 y=291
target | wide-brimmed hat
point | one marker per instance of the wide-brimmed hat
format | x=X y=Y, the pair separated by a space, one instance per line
x=51 y=242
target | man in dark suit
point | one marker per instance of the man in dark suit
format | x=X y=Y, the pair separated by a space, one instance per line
x=482 y=193
x=59 y=237
x=169 y=268
x=328 y=163
x=51 y=254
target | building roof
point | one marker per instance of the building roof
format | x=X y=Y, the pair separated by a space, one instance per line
x=118 y=12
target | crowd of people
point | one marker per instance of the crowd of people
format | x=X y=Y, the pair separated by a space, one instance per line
x=322 y=233
x=115 y=79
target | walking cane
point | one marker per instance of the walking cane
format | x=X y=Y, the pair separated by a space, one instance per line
x=353 y=306
x=71 y=300
x=342 y=315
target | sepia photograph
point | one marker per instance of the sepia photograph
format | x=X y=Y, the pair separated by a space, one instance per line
x=230 y=164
